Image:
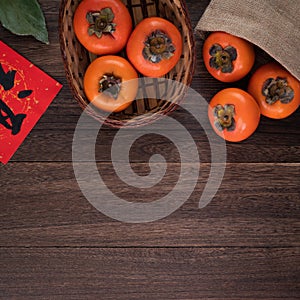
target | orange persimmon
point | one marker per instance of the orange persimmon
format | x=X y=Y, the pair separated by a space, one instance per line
x=110 y=83
x=102 y=27
x=233 y=114
x=228 y=58
x=276 y=91
x=154 y=47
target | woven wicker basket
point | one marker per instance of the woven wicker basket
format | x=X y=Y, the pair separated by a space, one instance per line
x=142 y=111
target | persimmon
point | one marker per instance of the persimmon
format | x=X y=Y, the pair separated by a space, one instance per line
x=276 y=91
x=228 y=58
x=154 y=46
x=102 y=27
x=110 y=83
x=233 y=114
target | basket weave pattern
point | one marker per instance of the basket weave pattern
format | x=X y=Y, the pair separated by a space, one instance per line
x=77 y=58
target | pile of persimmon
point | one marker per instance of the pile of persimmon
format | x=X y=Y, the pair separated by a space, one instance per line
x=272 y=91
x=104 y=27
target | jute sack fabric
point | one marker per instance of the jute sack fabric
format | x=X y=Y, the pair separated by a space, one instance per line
x=273 y=25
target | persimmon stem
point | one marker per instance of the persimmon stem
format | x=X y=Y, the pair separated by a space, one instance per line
x=110 y=85
x=224 y=117
x=221 y=59
x=100 y=22
x=277 y=90
x=158 y=46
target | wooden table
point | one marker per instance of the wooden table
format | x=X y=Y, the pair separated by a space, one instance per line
x=55 y=245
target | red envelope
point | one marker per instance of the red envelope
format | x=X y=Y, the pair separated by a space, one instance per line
x=25 y=93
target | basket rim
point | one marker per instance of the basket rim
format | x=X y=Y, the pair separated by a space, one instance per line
x=149 y=117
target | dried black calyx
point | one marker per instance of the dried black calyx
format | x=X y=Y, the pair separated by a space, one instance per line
x=277 y=90
x=224 y=117
x=110 y=85
x=101 y=22
x=158 y=46
x=221 y=59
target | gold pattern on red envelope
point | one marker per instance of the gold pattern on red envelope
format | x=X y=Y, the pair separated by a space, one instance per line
x=25 y=94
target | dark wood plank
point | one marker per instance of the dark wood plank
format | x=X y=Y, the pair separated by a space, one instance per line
x=189 y=273
x=256 y=205
x=55 y=144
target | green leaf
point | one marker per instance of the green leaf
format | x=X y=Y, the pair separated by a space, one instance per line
x=24 y=17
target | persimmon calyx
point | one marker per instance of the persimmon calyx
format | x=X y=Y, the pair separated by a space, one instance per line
x=277 y=90
x=224 y=117
x=221 y=59
x=100 y=22
x=110 y=85
x=158 y=46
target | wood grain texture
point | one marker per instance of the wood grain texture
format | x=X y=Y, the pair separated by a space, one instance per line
x=256 y=205
x=55 y=144
x=165 y=273
x=55 y=245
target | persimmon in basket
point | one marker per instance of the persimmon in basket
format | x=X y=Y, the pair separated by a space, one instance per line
x=154 y=47
x=110 y=83
x=102 y=27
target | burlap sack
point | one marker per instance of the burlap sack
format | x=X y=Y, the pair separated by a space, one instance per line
x=273 y=25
